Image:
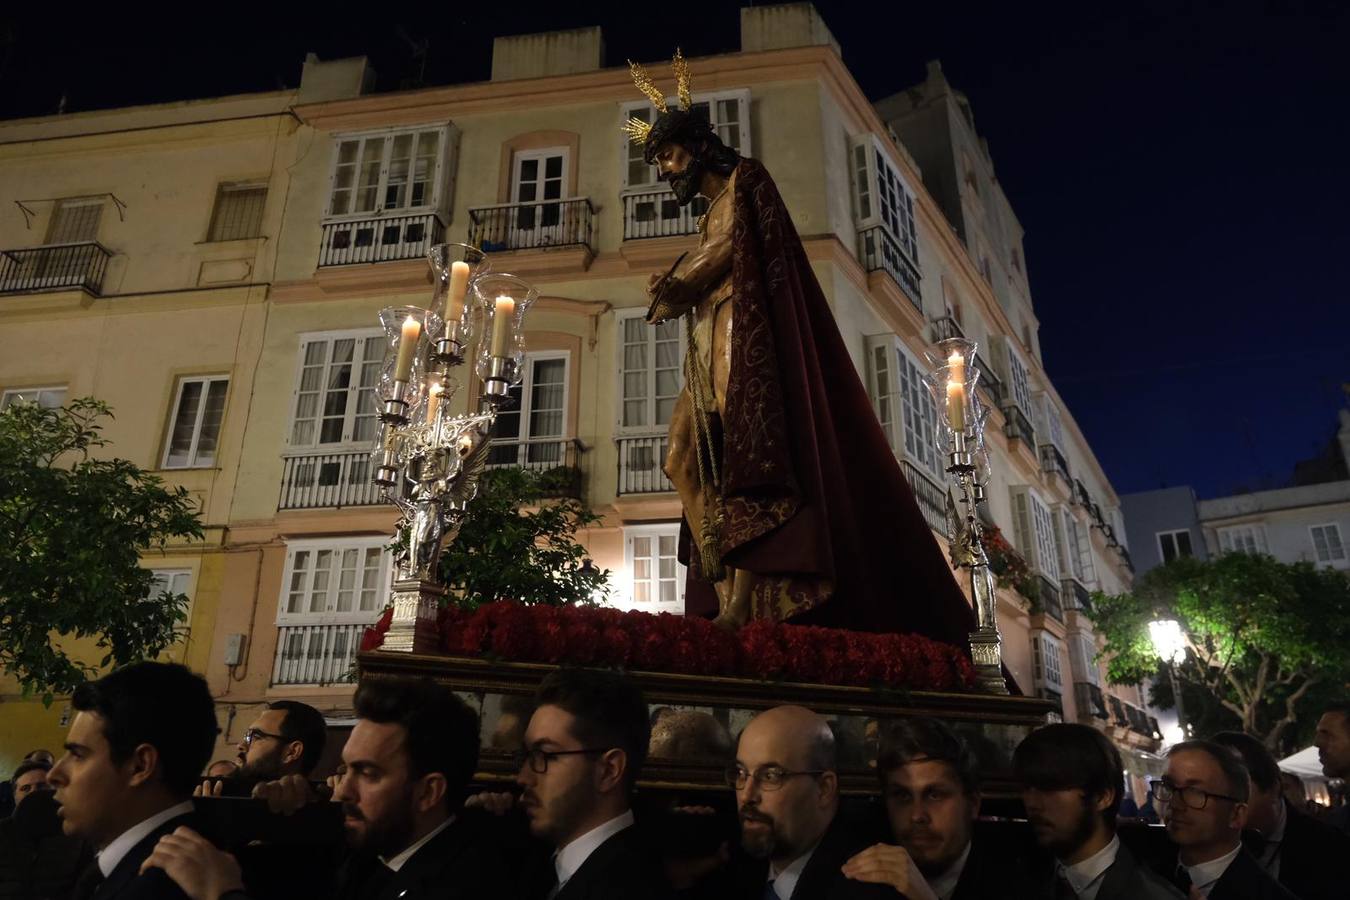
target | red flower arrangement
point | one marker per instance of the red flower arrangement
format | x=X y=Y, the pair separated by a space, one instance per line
x=604 y=637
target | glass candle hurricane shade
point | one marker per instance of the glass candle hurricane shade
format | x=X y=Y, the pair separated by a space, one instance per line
x=454 y=268
x=504 y=300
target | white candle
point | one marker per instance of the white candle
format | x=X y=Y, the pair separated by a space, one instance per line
x=504 y=309
x=407 y=346
x=433 y=401
x=956 y=393
x=459 y=285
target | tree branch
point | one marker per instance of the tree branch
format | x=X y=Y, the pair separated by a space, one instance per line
x=1272 y=739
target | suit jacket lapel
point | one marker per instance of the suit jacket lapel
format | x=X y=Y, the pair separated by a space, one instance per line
x=129 y=866
x=595 y=865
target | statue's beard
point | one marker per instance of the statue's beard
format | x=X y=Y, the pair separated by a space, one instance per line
x=686 y=184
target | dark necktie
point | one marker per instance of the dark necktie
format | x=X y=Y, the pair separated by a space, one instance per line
x=769 y=892
x=377 y=879
x=1182 y=879
x=88 y=883
x=1063 y=889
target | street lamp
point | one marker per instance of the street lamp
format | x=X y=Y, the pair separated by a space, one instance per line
x=1169 y=643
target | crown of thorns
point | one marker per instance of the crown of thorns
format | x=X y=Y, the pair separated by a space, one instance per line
x=671 y=124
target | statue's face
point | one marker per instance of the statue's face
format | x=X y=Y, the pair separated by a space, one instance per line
x=681 y=170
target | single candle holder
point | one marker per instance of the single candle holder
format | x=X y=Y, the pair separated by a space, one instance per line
x=959 y=436
x=504 y=299
x=401 y=391
x=497 y=383
x=445 y=259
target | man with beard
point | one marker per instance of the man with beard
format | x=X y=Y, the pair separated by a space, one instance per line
x=1071 y=785
x=794 y=504
x=140 y=736
x=1205 y=793
x=932 y=793
x=787 y=792
x=287 y=738
x=1290 y=845
x=1333 y=750
x=584 y=748
x=408 y=760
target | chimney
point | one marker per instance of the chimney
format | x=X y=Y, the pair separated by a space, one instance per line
x=338 y=79
x=548 y=53
x=783 y=26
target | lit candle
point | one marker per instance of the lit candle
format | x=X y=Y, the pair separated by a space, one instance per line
x=956 y=406
x=433 y=401
x=957 y=363
x=505 y=308
x=459 y=285
x=407 y=346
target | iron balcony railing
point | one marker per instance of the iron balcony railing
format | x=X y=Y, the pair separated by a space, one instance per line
x=1081 y=495
x=1018 y=425
x=527 y=226
x=657 y=213
x=1118 y=712
x=989 y=382
x=554 y=458
x=379 y=239
x=54 y=267
x=1054 y=463
x=316 y=654
x=945 y=327
x=932 y=499
x=1048 y=598
x=332 y=480
x=1076 y=597
x=1138 y=720
x=879 y=250
x=1091 y=701
x=641 y=465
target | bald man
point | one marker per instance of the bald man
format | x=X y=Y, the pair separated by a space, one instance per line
x=787 y=794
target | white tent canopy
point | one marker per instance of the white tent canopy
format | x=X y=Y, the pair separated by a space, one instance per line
x=1303 y=763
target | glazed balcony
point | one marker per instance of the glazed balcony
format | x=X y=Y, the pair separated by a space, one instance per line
x=54 y=267
x=379 y=239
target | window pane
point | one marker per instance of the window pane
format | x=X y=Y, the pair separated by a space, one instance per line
x=211 y=419
x=184 y=424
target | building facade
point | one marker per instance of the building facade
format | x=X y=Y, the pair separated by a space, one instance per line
x=229 y=292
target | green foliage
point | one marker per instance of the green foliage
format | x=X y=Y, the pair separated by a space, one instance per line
x=1261 y=636
x=72 y=530
x=514 y=544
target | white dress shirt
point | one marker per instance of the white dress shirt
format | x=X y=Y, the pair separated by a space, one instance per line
x=944 y=885
x=1203 y=875
x=570 y=858
x=1086 y=877
x=120 y=846
x=397 y=862
x=785 y=882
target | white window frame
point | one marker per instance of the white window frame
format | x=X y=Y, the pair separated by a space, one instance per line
x=1018 y=376
x=870 y=181
x=9 y=397
x=348 y=441
x=621 y=319
x=1177 y=554
x=1084 y=651
x=1331 y=559
x=905 y=409
x=627 y=110
x=166 y=577
x=524 y=438
x=1249 y=537
x=1035 y=530
x=226 y=188
x=60 y=207
x=193 y=461
x=442 y=178
x=1068 y=537
x=330 y=615
x=1046 y=662
x=1050 y=424
x=627 y=592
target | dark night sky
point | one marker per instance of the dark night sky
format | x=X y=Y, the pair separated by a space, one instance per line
x=1180 y=169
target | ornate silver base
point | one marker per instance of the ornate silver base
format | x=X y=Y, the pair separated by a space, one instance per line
x=986 y=653
x=413 y=627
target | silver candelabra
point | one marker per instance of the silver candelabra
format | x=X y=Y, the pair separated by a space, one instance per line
x=959 y=434
x=427 y=461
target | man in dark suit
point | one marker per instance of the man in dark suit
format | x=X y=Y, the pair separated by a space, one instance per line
x=787 y=791
x=931 y=789
x=140 y=736
x=1333 y=749
x=584 y=746
x=1071 y=786
x=408 y=761
x=1291 y=846
x=1205 y=793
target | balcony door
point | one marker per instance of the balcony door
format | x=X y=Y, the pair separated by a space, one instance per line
x=74 y=221
x=532 y=431
x=538 y=176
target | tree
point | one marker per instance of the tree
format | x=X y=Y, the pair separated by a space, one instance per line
x=1260 y=636
x=72 y=530
x=515 y=544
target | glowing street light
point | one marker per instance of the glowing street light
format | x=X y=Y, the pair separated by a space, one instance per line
x=1169 y=643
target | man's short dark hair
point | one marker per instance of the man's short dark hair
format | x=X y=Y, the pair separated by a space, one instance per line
x=161 y=704
x=1260 y=762
x=1067 y=756
x=29 y=765
x=1234 y=769
x=441 y=730
x=923 y=738
x=610 y=711
x=1340 y=706
x=305 y=724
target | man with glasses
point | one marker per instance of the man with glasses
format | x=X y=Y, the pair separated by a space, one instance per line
x=1071 y=777
x=584 y=747
x=1204 y=793
x=787 y=794
x=287 y=738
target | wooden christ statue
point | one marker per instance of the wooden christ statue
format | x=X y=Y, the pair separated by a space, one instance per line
x=794 y=505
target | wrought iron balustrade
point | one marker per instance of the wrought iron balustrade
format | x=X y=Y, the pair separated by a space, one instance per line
x=379 y=239
x=878 y=250
x=54 y=267
x=932 y=499
x=657 y=213
x=1091 y=701
x=641 y=465
x=334 y=480
x=316 y=654
x=1053 y=462
x=529 y=226
x=554 y=458
x=945 y=327
x=1018 y=426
